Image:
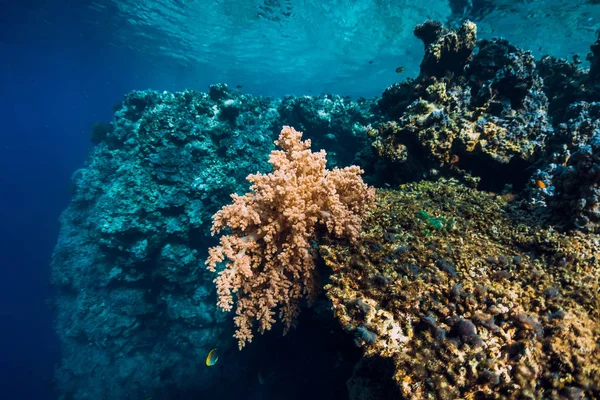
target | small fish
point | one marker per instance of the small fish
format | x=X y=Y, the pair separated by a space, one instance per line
x=370 y=61
x=212 y=358
x=540 y=184
x=400 y=70
x=239 y=86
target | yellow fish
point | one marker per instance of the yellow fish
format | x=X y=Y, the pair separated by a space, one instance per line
x=212 y=358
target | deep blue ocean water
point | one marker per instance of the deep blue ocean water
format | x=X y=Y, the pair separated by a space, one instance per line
x=65 y=64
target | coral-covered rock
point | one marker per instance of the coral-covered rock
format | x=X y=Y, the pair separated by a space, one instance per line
x=332 y=122
x=467 y=297
x=570 y=192
x=128 y=265
x=446 y=51
x=135 y=307
x=479 y=111
x=562 y=84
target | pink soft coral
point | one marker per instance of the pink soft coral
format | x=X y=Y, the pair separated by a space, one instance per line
x=269 y=255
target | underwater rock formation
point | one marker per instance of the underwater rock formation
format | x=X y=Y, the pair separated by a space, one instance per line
x=446 y=51
x=332 y=122
x=135 y=312
x=459 y=294
x=455 y=292
x=475 y=108
x=570 y=187
x=135 y=305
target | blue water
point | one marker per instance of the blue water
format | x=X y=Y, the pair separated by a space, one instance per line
x=65 y=64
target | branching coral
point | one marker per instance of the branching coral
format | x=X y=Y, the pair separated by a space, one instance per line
x=269 y=255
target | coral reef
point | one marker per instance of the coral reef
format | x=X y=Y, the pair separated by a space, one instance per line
x=487 y=306
x=577 y=181
x=134 y=307
x=451 y=292
x=483 y=112
x=129 y=263
x=334 y=123
x=270 y=261
x=571 y=180
x=475 y=108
